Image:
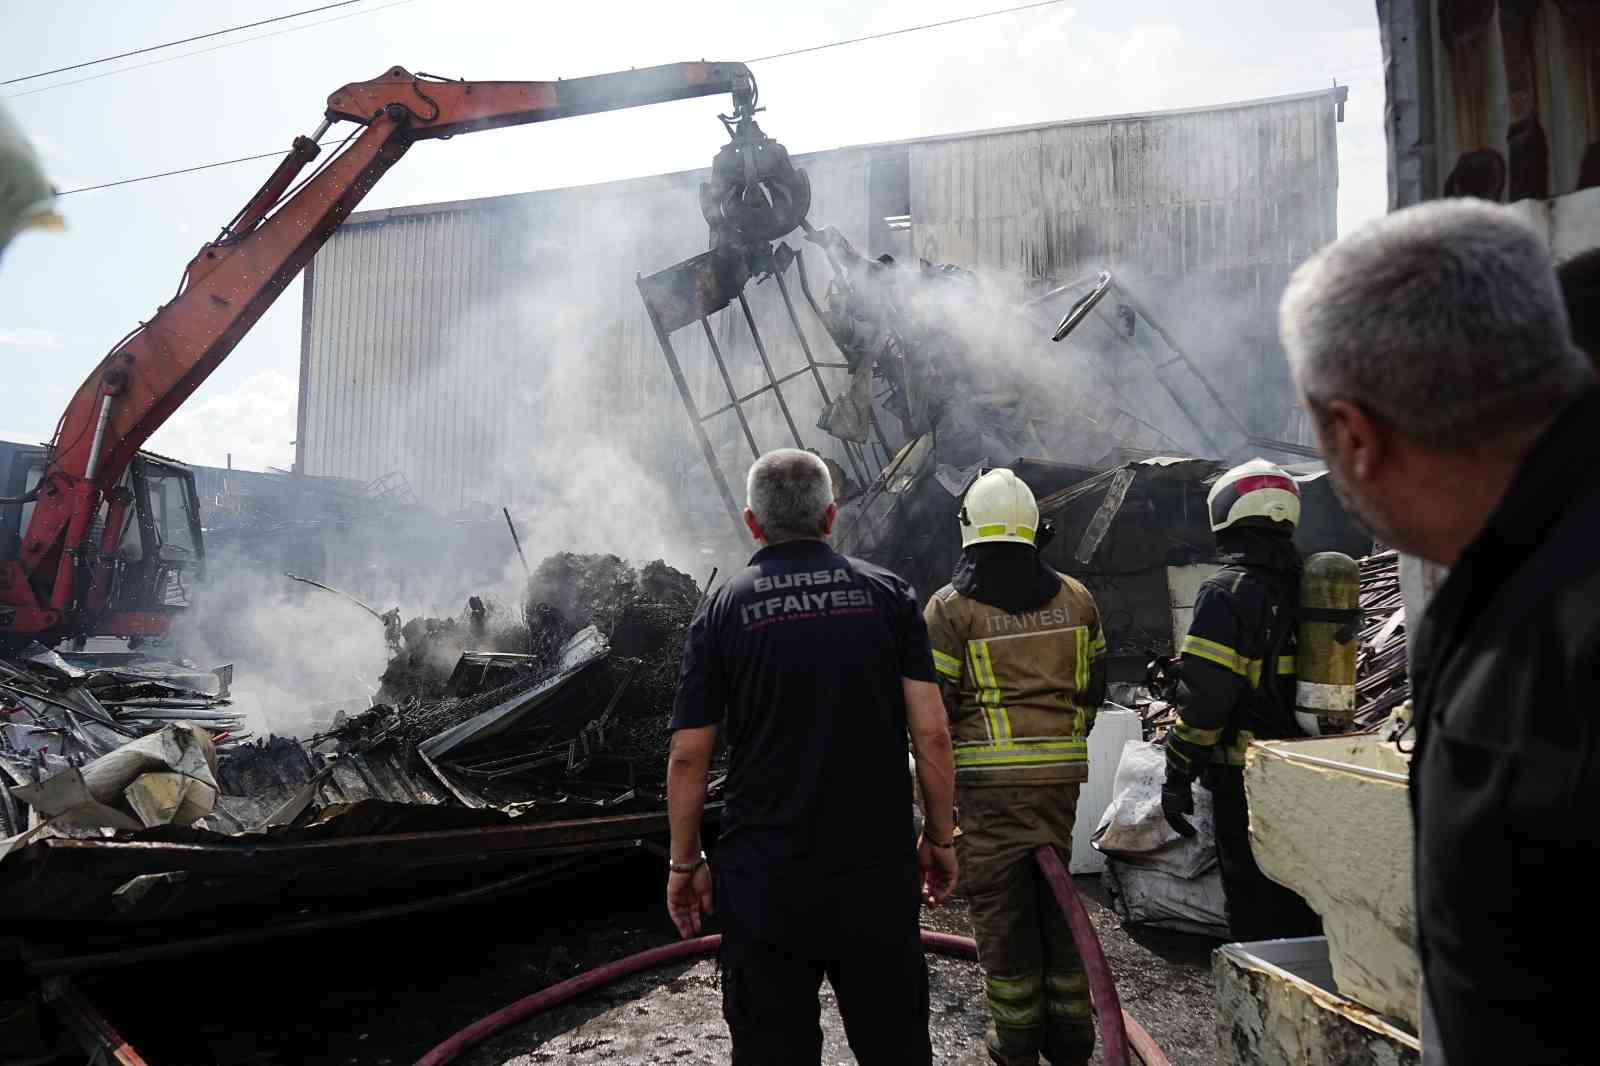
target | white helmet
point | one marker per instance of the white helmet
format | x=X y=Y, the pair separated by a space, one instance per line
x=999 y=508
x=1257 y=489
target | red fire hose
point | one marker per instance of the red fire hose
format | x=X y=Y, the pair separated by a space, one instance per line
x=1118 y=1029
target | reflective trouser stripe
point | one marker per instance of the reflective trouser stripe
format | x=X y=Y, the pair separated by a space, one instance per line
x=1015 y=1001
x=1066 y=995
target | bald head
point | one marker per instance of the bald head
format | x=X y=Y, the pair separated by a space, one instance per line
x=1444 y=320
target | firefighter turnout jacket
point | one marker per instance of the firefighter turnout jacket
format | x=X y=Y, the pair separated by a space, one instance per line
x=1237 y=680
x=1022 y=687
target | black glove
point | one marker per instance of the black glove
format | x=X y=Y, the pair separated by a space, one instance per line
x=1177 y=800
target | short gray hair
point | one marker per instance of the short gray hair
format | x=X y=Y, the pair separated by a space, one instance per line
x=789 y=490
x=1444 y=319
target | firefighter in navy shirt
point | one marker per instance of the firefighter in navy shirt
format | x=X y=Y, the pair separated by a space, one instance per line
x=817 y=669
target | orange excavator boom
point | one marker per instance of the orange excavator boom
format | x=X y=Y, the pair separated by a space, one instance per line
x=58 y=583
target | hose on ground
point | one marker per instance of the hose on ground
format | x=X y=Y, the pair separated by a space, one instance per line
x=1118 y=1029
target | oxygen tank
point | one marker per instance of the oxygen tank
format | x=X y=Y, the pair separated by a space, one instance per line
x=1330 y=616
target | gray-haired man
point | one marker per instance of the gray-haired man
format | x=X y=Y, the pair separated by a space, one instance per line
x=1461 y=423
x=815 y=665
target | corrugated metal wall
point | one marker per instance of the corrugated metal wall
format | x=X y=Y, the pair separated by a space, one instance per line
x=478 y=346
x=1204 y=213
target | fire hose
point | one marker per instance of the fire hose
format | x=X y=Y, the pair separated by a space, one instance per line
x=1118 y=1029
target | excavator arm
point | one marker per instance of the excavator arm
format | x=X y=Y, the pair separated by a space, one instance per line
x=58 y=583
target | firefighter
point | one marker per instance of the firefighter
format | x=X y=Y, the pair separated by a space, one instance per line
x=1237 y=684
x=1019 y=649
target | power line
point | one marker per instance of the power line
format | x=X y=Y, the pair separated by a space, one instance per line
x=908 y=29
x=760 y=59
x=203 y=51
x=183 y=40
x=184 y=170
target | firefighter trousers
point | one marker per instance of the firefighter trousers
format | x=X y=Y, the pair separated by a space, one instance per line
x=1035 y=982
x=1258 y=907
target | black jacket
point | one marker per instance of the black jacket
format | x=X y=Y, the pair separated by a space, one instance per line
x=1505 y=790
x=1238 y=659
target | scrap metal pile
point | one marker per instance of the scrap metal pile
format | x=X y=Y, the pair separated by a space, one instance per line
x=556 y=710
x=1382 y=681
x=60 y=712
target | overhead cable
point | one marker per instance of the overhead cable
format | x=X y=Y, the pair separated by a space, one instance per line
x=182 y=40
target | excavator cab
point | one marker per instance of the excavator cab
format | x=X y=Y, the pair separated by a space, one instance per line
x=161 y=549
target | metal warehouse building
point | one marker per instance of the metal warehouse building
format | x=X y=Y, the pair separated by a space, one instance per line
x=468 y=344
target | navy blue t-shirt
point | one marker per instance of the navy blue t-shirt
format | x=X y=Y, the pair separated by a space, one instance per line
x=800 y=657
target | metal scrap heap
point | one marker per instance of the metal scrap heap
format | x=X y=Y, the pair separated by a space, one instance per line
x=508 y=732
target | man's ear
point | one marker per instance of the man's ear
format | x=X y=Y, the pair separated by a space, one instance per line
x=754 y=526
x=828 y=518
x=1355 y=438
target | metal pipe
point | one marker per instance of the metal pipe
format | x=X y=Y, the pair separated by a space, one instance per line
x=99 y=437
x=327 y=124
x=98 y=1038
x=516 y=540
x=716 y=353
x=763 y=390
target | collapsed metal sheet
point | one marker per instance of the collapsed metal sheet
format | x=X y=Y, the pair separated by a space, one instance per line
x=587 y=648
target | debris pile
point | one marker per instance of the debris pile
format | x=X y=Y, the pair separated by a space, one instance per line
x=62 y=712
x=553 y=710
x=1382 y=681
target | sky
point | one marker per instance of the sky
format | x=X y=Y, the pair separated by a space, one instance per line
x=65 y=298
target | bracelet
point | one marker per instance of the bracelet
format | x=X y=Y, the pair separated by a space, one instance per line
x=687 y=867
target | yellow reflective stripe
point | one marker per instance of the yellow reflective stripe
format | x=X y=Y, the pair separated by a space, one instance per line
x=1081 y=635
x=948 y=665
x=1098 y=647
x=1201 y=737
x=1043 y=751
x=1074 y=1008
x=1286 y=664
x=1015 y=1015
x=1066 y=984
x=1013 y=988
x=1220 y=654
x=999 y=722
x=1000 y=529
